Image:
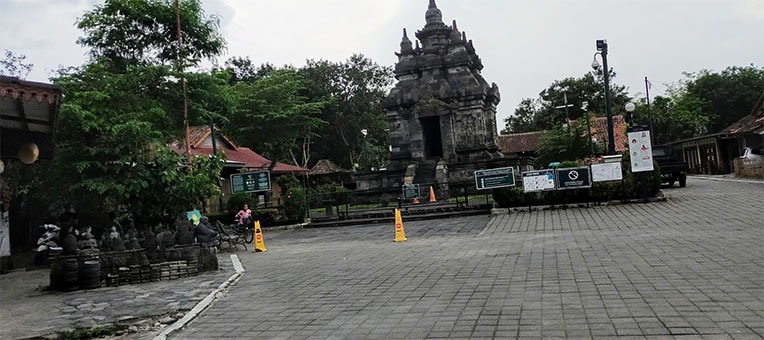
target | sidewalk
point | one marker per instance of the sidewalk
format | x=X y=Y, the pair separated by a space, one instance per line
x=728 y=178
x=28 y=311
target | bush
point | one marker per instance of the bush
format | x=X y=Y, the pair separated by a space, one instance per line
x=267 y=217
x=295 y=204
x=236 y=201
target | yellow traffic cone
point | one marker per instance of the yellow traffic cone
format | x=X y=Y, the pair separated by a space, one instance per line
x=432 y=195
x=400 y=235
x=259 y=244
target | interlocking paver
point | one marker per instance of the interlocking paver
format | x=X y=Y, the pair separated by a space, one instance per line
x=690 y=267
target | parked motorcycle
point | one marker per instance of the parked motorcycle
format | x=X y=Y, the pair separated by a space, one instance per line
x=46 y=244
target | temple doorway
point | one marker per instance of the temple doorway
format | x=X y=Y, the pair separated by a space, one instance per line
x=433 y=144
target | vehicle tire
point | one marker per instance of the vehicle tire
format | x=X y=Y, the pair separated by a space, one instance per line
x=682 y=181
x=249 y=235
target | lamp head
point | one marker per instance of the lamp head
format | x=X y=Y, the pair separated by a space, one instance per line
x=364 y=132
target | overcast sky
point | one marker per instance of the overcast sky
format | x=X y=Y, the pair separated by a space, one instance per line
x=525 y=45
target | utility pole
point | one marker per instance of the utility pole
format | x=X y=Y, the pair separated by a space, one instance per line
x=183 y=82
x=566 y=106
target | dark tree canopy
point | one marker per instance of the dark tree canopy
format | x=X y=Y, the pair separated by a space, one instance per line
x=145 y=31
x=548 y=111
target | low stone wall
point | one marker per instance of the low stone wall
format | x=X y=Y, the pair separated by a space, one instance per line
x=90 y=270
x=749 y=169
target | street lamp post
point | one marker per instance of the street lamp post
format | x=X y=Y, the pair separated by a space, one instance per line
x=364 y=132
x=585 y=106
x=602 y=51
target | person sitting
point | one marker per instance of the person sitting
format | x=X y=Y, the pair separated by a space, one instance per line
x=203 y=232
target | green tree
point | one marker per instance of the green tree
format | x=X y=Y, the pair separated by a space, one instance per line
x=704 y=102
x=354 y=91
x=273 y=117
x=121 y=111
x=565 y=143
x=523 y=120
x=113 y=142
x=724 y=97
x=133 y=32
x=544 y=113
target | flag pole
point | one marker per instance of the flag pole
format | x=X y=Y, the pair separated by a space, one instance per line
x=649 y=116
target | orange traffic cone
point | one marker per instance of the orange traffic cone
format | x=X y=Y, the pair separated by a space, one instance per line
x=400 y=235
x=415 y=201
x=432 y=195
x=259 y=244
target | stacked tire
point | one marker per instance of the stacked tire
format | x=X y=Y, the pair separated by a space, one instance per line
x=90 y=274
x=70 y=273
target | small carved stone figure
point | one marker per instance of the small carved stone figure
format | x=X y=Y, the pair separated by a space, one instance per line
x=87 y=241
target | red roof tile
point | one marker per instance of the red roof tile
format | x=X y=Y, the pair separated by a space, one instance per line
x=233 y=152
x=520 y=142
x=621 y=139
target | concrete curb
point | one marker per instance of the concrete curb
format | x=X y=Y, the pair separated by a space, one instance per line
x=735 y=180
x=205 y=303
x=505 y=211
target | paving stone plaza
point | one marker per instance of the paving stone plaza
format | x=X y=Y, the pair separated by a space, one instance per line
x=691 y=267
x=688 y=268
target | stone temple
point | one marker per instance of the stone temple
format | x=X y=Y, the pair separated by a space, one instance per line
x=441 y=112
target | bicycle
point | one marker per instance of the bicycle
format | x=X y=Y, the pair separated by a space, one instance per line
x=246 y=230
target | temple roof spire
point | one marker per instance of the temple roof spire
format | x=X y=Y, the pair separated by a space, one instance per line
x=455 y=34
x=433 y=14
x=406 y=43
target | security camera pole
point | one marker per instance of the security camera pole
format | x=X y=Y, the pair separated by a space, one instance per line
x=602 y=48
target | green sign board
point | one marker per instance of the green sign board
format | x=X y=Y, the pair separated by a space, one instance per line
x=251 y=182
x=410 y=191
x=494 y=178
x=574 y=178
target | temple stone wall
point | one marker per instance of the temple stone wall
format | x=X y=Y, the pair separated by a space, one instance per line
x=439 y=93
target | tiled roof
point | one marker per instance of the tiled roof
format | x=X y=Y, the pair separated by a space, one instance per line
x=520 y=142
x=197 y=135
x=599 y=131
x=234 y=153
x=752 y=123
x=531 y=141
x=325 y=167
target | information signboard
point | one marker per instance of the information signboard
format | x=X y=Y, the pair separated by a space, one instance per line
x=494 y=178
x=410 y=191
x=604 y=172
x=542 y=180
x=573 y=178
x=251 y=182
x=640 y=151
